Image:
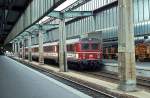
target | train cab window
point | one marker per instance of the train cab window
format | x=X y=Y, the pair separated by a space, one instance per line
x=85 y=46
x=94 y=46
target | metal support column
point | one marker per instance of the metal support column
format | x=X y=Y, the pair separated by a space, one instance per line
x=23 y=49
x=18 y=48
x=101 y=44
x=126 y=49
x=41 y=57
x=62 y=47
x=13 y=48
x=29 y=48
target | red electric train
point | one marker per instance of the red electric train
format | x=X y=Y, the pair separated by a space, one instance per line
x=85 y=53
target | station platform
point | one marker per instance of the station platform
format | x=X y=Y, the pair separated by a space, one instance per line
x=108 y=86
x=20 y=81
x=142 y=68
x=138 y=64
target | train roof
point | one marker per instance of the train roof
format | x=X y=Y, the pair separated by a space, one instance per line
x=89 y=39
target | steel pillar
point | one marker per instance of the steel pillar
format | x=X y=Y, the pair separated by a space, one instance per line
x=41 y=57
x=101 y=44
x=126 y=49
x=29 y=48
x=15 y=48
x=23 y=49
x=62 y=47
x=18 y=48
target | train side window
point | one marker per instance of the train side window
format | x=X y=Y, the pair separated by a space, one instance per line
x=51 y=48
x=36 y=49
x=85 y=46
x=46 y=49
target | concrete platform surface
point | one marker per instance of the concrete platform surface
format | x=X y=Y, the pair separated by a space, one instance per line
x=113 y=87
x=142 y=68
x=138 y=64
x=19 y=81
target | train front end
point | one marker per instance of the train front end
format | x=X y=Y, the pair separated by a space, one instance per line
x=89 y=54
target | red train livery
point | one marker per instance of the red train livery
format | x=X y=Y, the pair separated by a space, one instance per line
x=85 y=53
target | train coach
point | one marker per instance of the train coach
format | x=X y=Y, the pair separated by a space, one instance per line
x=142 y=50
x=85 y=53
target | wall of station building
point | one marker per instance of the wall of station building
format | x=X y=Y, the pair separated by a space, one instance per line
x=106 y=21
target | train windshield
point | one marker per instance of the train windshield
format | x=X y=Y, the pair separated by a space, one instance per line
x=94 y=46
x=85 y=46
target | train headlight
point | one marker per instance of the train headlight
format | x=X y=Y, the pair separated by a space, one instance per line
x=77 y=56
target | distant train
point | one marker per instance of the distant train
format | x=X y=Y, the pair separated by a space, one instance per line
x=142 y=50
x=85 y=53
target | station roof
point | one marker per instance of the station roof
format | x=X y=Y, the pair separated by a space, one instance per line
x=10 y=11
x=69 y=7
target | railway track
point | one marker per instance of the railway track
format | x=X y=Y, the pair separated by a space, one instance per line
x=75 y=84
x=142 y=82
x=90 y=89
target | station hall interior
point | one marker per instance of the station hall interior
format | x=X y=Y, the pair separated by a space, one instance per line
x=74 y=48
